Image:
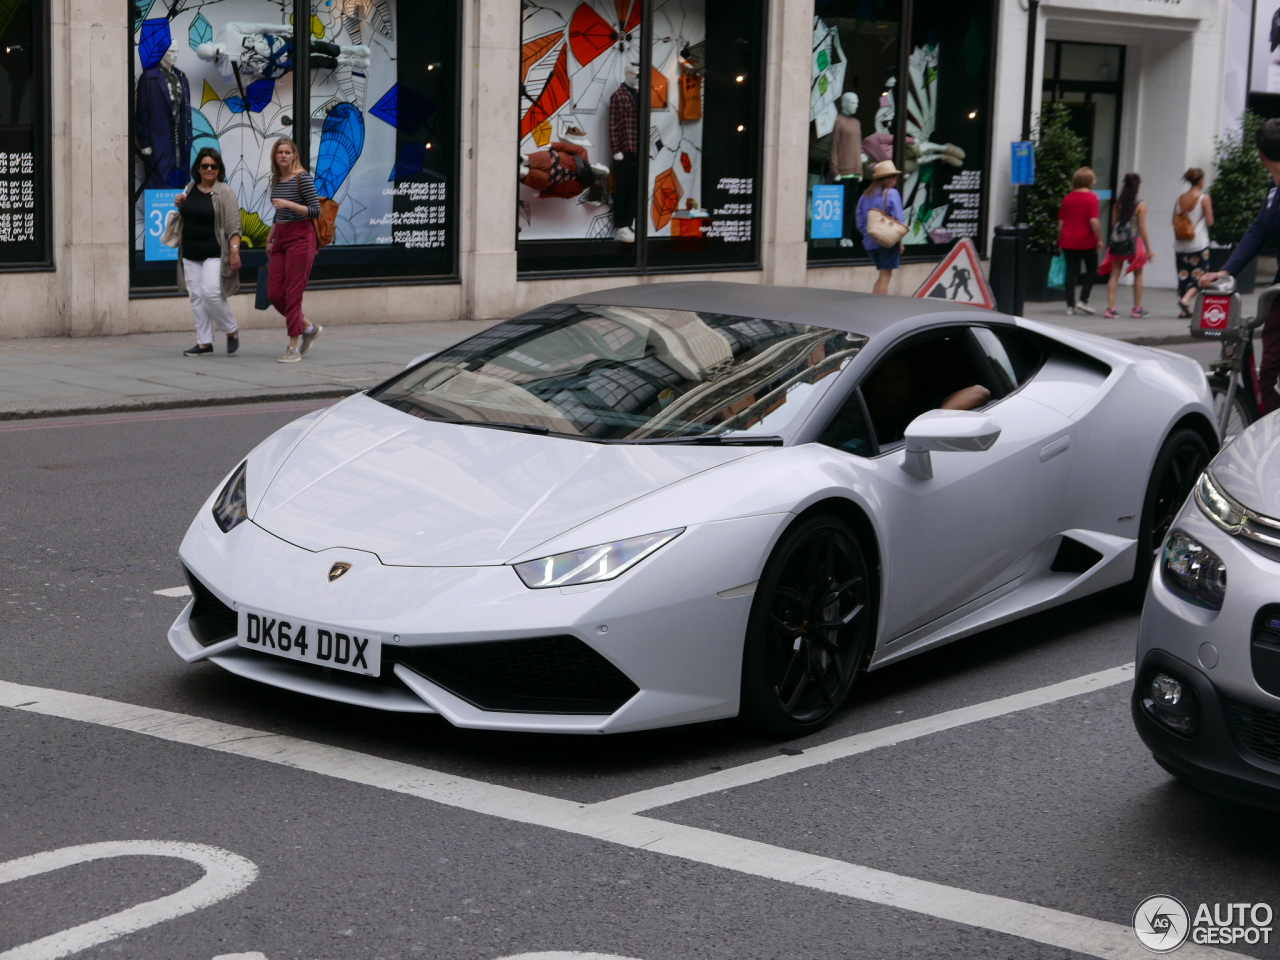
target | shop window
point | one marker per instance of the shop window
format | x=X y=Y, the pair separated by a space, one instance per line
x=379 y=130
x=24 y=137
x=945 y=74
x=597 y=192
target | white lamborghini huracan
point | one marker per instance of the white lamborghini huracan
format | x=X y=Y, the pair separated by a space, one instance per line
x=671 y=503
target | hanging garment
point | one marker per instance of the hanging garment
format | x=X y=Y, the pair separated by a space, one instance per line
x=624 y=121
x=162 y=121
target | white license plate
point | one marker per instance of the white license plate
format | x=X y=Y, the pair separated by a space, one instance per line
x=309 y=642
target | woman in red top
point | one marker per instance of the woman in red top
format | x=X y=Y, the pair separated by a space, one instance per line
x=1080 y=238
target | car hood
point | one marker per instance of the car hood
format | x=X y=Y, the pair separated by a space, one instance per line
x=425 y=493
x=1248 y=468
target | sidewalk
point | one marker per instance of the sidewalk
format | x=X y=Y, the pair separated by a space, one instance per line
x=62 y=375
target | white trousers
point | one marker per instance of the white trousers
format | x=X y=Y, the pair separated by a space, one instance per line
x=204 y=285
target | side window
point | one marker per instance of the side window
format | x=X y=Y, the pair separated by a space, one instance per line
x=1026 y=354
x=848 y=429
x=1001 y=364
x=921 y=375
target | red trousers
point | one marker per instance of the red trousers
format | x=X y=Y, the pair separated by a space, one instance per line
x=293 y=253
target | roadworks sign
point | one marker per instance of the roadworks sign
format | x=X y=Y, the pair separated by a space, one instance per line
x=959 y=278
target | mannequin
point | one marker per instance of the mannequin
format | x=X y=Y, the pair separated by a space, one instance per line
x=846 y=141
x=162 y=124
x=564 y=169
x=624 y=142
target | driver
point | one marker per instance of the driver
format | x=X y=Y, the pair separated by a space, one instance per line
x=890 y=392
x=1266 y=226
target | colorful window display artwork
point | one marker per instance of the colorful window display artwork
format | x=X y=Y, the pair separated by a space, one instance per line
x=380 y=137
x=855 y=91
x=617 y=102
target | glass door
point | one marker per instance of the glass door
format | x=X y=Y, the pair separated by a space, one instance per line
x=1088 y=78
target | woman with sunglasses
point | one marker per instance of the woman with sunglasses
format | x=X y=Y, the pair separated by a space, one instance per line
x=208 y=232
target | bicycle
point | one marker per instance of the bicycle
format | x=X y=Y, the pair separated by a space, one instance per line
x=1217 y=316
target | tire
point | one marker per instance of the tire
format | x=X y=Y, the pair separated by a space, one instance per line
x=1178 y=466
x=1242 y=414
x=809 y=630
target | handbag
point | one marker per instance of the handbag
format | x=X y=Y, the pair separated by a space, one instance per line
x=885 y=230
x=262 y=297
x=1183 y=227
x=690 y=86
x=327 y=223
x=1058 y=271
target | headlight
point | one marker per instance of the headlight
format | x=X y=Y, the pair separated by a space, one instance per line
x=229 y=509
x=594 y=564
x=1193 y=571
x=1217 y=506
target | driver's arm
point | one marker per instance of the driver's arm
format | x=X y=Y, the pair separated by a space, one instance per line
x=970 y=398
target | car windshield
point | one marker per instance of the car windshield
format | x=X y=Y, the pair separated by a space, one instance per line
x=629 y=374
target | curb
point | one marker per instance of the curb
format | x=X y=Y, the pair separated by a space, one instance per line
x=175 y=403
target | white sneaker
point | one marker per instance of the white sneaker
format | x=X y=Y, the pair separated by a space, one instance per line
x=1071 y=311
x=309 y=338
x=1085 y=308
x=291 y=355
x=625 y=234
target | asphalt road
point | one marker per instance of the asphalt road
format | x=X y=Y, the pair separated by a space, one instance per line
x=400 y=837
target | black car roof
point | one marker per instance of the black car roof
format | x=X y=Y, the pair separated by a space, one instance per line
x=863 y=313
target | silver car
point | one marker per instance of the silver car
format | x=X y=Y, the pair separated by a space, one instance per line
x=1207 y=693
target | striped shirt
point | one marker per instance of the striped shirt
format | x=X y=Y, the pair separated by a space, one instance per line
x=299 y=189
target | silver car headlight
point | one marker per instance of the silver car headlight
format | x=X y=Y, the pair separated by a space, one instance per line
x=229 y=510
x=1218 y=506
x=592 y=564
x=1193 y=571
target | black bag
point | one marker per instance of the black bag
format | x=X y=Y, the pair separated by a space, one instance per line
x=263 y=299
x=1124 y=237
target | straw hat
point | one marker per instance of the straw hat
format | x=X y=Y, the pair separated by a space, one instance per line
x=885 y=168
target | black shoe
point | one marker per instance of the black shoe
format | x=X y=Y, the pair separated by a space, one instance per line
x=198 y=349
x=233 y=342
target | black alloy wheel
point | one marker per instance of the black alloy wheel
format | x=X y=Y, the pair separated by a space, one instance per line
x=1178 y=466
x=809 y=627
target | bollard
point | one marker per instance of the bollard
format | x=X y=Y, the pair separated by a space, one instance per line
x=1008 y=268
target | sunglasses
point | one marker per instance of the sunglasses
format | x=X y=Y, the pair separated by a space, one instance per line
x=210 y=166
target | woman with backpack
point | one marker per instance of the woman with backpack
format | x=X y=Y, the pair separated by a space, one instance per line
x=1192 y=218
x=1129 y=247
x=879 y=219
x=292 y=244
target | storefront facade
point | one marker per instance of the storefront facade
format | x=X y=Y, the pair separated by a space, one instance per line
x=491 y=155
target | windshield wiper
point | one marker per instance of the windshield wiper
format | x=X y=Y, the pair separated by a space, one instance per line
x=715 y=439
x=504 y=425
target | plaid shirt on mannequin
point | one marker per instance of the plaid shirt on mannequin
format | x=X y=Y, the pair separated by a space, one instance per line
x=624 y=121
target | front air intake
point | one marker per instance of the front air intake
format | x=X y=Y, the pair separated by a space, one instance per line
x=211 y=620
x=539 y=675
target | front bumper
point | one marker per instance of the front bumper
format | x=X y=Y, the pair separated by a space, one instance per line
x=662 y=624
x=1234 y=752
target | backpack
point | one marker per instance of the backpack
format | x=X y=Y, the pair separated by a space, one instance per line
x=326 y=224
x=1123 y=237
x=1183 y=227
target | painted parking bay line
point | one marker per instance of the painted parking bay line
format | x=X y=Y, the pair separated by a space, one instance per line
x=226 y=874
x=778 y=766
x=998 y=914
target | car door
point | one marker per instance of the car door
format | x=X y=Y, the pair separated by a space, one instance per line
x=974 y=525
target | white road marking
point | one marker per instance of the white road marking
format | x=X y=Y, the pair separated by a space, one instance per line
x=1085 y=935
x=862 y=742
x=554 y=955
x=173 y=592
x=226 y=874
x=242 y=956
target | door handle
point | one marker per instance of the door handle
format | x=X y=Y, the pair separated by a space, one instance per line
x=1054 y=447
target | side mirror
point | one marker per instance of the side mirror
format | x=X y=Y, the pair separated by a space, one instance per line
x=950 y=431
x=418 y=359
